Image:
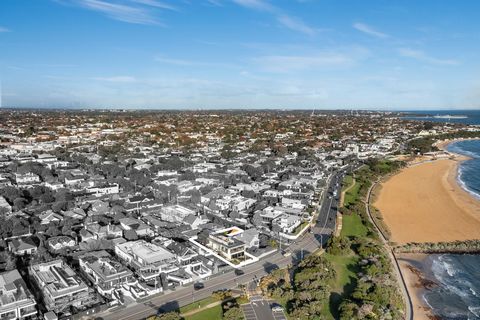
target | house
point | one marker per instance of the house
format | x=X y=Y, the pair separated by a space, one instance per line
x=72 y=180
x=26 y=178
x=269 y=214
x=86 y=235
x=17 y=302
x=49 y=216
x=185 y=255
x=4 y=181
x=140 y=228
x=195 y=221
x=99 y=207
x=149 y=260
x=20 y=247
x=287 y=222
x=103 y=189
x=251 y=238
x=54 y=185
x=104 y=232
x=5 y=207
x=46 y=158
x=61 y=242
x=77 y=213
x=241 y=203
x=107 y=274
x=60 y=286
x=175 y=213
x=139 y=202
x=225 y=243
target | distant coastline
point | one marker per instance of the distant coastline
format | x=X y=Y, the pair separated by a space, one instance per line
x=471 y=117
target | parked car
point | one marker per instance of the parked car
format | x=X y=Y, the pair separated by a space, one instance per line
x=276 y=307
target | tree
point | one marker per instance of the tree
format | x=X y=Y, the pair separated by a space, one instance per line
x=130 y=235
x=52 y=230
x=221 y=295
x=42 y=254
x=9 y=259
x=166 y=316
x=19 y=203
x=338 y=245
x=233 y=314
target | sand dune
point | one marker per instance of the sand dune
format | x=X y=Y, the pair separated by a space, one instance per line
x=424 y=203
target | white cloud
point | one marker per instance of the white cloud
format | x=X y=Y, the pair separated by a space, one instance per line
x=256 y=4
x=179 y=62
x=422 y=56
x=3 y=29
x=290 y=22
x=118 y=79
x=121 y=12
x=295 y=24
x=295 y=63
x=156 y=4
x=369 y=30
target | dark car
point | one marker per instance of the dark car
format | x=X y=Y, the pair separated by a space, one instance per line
x=198 y=286
x=239 y=272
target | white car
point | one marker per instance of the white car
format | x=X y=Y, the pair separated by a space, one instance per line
x=287 y=253
x=277 y=309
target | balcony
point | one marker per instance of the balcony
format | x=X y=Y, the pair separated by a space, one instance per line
x=8 y=316
x=28 y=311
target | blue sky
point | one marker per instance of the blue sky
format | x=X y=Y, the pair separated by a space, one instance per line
x=240 y=53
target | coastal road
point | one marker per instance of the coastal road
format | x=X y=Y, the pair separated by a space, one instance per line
x=306 y=244
x=391 y=254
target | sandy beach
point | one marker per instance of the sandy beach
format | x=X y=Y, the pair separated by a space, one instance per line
x=424 y=203
x=416 y=284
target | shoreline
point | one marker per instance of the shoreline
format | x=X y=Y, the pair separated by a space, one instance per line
x=439 y=209
x=443 y=145
x=425 y=202
x=412 y=267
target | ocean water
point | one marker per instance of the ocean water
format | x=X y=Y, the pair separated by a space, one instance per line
x=471 y=116
x=468 y=171
x=457 y=296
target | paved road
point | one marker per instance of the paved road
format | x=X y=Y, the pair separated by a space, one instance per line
x=391 y=254
x=260 y=309
x=307 y=244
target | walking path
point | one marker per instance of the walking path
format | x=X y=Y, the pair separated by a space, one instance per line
x=342 y=195
x=391 y=254
x=208 y=306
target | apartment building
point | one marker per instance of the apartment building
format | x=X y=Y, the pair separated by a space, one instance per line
x=106 y=273
x=60 y=286
x=224 y=243
x=16 y=301
x=149 y=260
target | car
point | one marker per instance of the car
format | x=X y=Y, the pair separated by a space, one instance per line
x=198 y=286
x=239 y=272
x=287 y=253
x=276 y=307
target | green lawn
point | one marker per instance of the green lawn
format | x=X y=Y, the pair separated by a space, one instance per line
x=345 y=280
x=345 y=266
x=352 y=226
x=351 y=195
x=347 y=182
x=197 y=305
x=300 y=227
x=214 y=313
